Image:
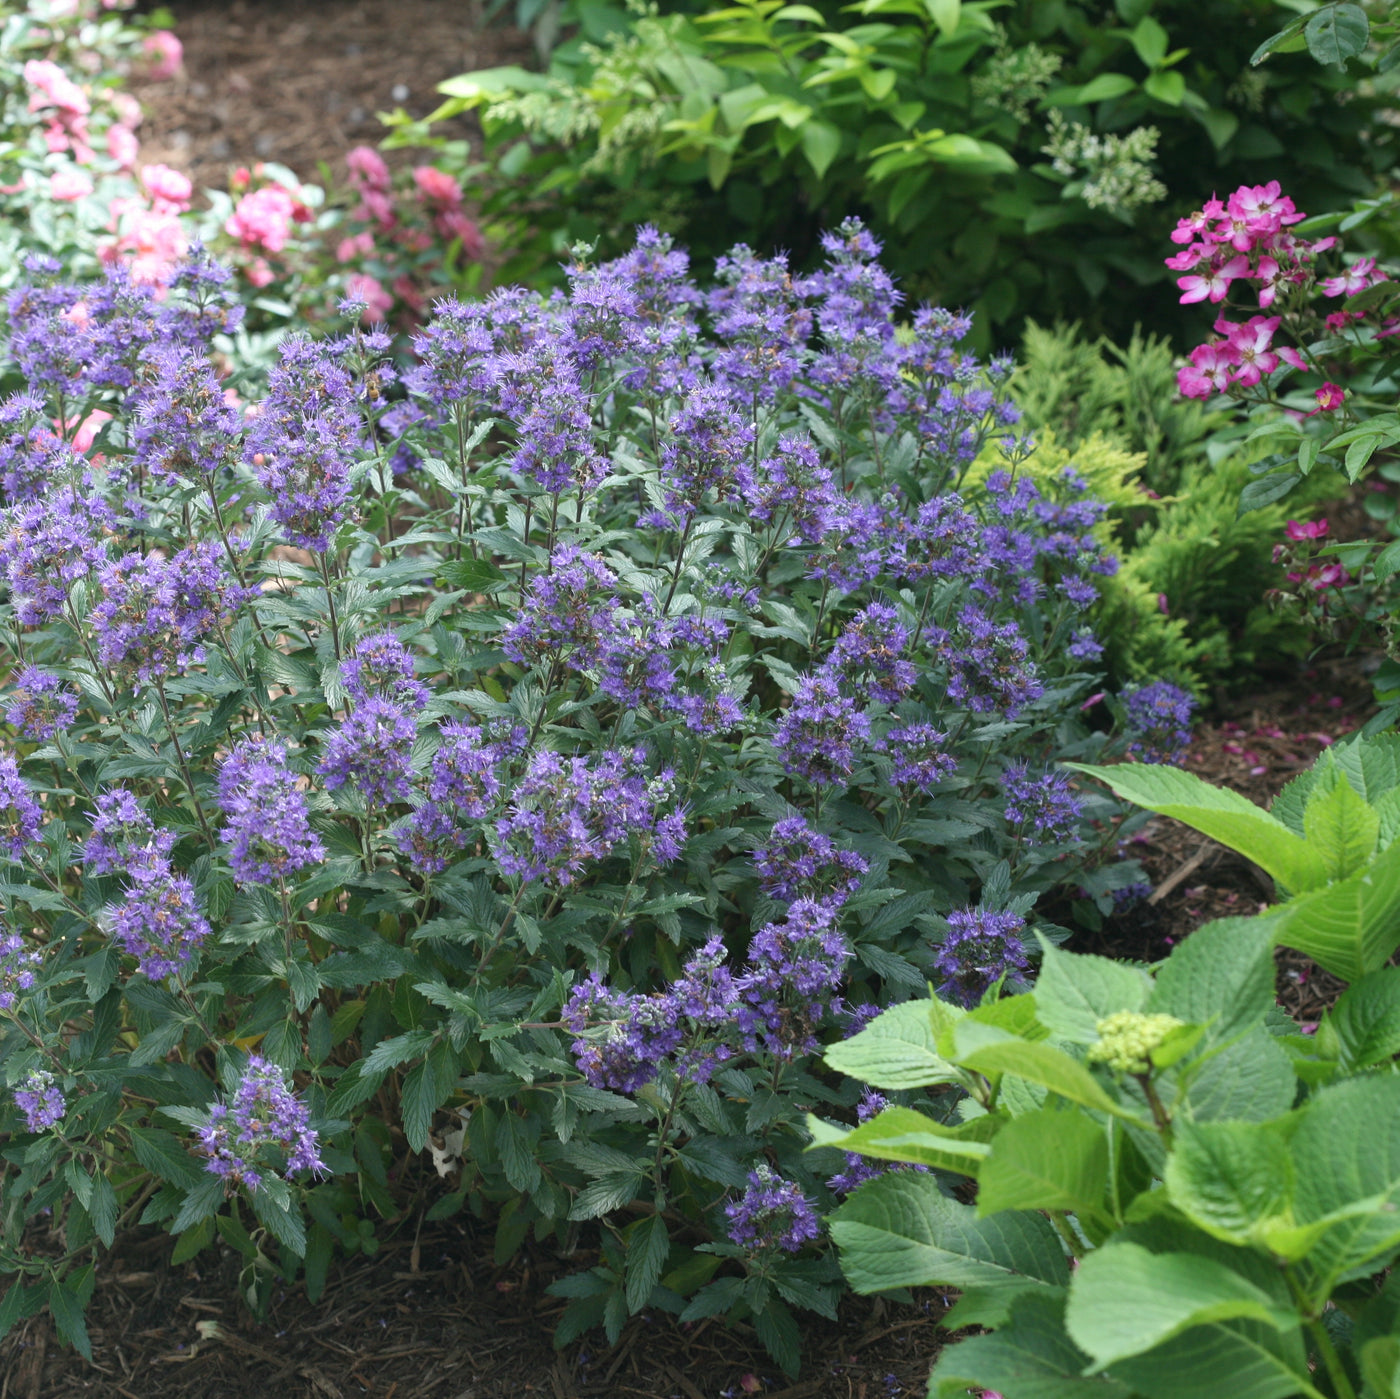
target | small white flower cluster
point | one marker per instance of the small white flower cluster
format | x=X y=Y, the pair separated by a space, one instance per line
x=1110 y=172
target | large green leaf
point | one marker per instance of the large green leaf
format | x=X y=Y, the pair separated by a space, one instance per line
x=1371 y=765
x=902 y=1134
x=1219 y=813
x=1045 y=1160
x=1366 y=1019
x=898 y=1049
x=902 y=1231
x=1221 y=977
x=1074 y=992
x=1350 y=927
x=1249 y=1080
x=1126 y=1300
x=1229 y=1177
x=1336 y=33
x=1030 y=1357
x=989 y=1050
x=1342 y=827
x=1346 y=1151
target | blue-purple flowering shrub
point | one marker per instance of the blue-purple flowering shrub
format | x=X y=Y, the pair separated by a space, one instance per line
x=536 y=753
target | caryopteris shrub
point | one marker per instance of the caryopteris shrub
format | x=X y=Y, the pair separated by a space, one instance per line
x=536 y=753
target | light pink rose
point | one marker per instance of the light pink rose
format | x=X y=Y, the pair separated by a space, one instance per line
x=263 y=219
x=87 y=430
x=123 y=146
x=151 y=242
x=70 y=185
x=166 y=52
x=170 y=191
x=53 y=88
x=258 y=272
x=127 y=108
x=352 y=249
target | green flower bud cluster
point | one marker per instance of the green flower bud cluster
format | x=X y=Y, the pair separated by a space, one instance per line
x=1127 y=1039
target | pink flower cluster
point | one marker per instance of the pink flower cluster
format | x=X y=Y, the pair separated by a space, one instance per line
x=1317 y=577
x=65 y=106
x=262 y=221
x=400 y=233
x=1246 y=239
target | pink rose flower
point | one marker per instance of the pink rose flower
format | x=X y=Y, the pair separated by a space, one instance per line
x=258 y=272
x=170 y=191
x=1305 y=529
x=437 y=187
x=123 y=146
x=54 y=88
x=367 y=169
x=263 y=219
x=354 y=248
x=453 y=225
x=166 y=53
x=70 y=185
x=1329 y=397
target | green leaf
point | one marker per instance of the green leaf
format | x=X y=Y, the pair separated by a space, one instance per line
x=1346 y=1151
x=1343 y=826
x=898 y=1049
x=1350 y=927
x=67 y=1309
x=1380 y=1366
x=285 y=1225
x=1251 y=1079
x=1168 y=87
x=1125 y=1300
x=1045 y=1160
x=1274 y=40
x=1103 y=88
x=1337 y=32
x=102 y=1208
x=1150 y=42
x=821 y=144
x=1266 y=489
x=1030 y=1357
x=1366 y=1020
x=648 y=1246
x=202 y=1201
x=1074 y=992
x=946 y=14
x=988 y=1050
x=1221 y=977
x=1228 y=1177
x=900 y=1230
x=1219 y=813
x=906 y=1135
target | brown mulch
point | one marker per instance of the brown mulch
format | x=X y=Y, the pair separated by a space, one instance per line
x=431 y=1317
x=301 y=81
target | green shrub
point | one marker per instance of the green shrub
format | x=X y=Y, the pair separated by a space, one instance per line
x=1020 y=158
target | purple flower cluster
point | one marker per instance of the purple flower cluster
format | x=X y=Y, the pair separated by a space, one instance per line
x=981 y=947
x=772 y=1213
x=47 y=545
x=17 y=965
x=917 y=755
x=869 y=655
x=304 y=440
x=565 y=613
x=40 y=1099
x=822 y=732
x=989 y=665
x=372 y=749
x=794 y=973
x=1159 y=722
x=381 y=665
x=41 y=705
x=159 y=921
x=265 y=1115
x=800 y=863
x=859 y=1169
x=185 y=430
x=565 y=813
x=21 y=817
x=1044 y=803
x=119 y=828
x=155 y=612
x=268 y=827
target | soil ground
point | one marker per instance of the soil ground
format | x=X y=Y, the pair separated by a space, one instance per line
x=430 y=1316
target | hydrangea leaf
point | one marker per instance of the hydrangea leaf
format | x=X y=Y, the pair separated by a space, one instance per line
x=1342 y=826
x=1045 y=1160
x=1074 y=992
x=898 y=1049
x=1219 y=813
x=902 y=1231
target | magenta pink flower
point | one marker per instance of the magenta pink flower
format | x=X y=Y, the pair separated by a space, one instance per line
x=1360 y=275
x=1291 y=356
x=1187 y=258
x=1215 y=283
x=170 y=191
x=123 y=147
x=1194 y=225
x=1211 y=369
x=262 y=219
x=1329 y=397
x=1251 y=344
x=1305 y=529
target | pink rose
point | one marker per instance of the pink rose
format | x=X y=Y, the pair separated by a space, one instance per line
x=123 y=146
x=353 y=249
x=437 y=186
x=166 y=52
x=127 y=108
x=258 y=272
x=152 y=242
x=376 y=207
x=53 y=88
x=263 y=219
x=170 y=191
x=367 y=169
x=70 y=185
x=87 y=430
x=453 y=224
x=1305 y=529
